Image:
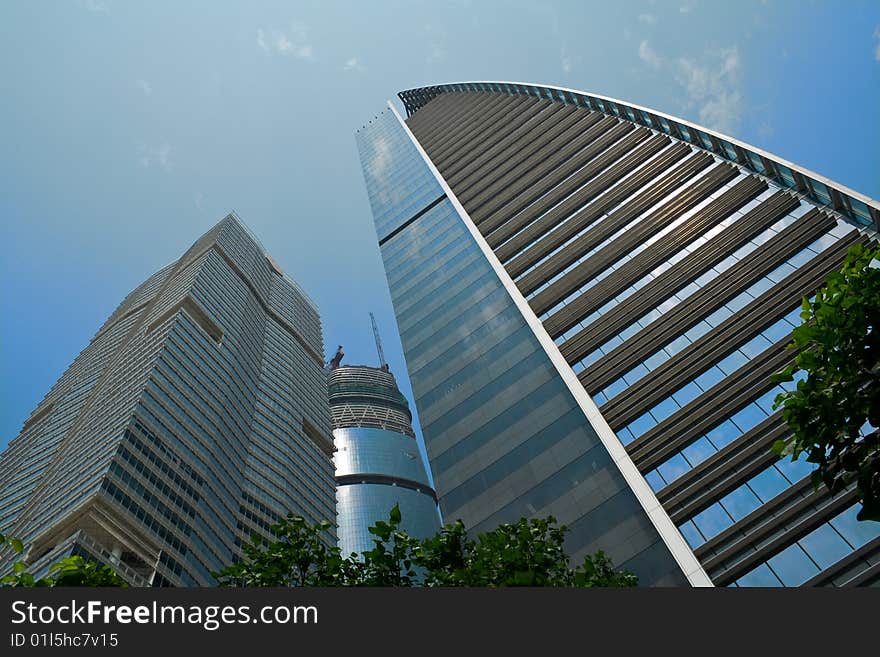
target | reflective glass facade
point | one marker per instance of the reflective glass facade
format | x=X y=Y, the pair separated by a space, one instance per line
x=665 y=265
x=196 y=417
x=378 y=465
x=504 y=437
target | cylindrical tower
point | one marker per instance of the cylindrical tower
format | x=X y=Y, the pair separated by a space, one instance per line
x=377 y=459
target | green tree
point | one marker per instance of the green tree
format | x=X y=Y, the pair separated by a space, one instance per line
x=525 y=553
x=70 y=571
x=839 y=352
x=298 y=557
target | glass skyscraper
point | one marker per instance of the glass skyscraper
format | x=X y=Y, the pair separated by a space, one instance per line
x=195 y=417
x=592 y=297
x=378 y=464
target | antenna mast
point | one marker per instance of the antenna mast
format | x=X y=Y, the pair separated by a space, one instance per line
x=382 y=362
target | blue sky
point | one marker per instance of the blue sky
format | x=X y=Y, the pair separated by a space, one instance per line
x=129 y=128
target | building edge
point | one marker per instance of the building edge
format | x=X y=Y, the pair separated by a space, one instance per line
x=754 y=160
x=669 y=533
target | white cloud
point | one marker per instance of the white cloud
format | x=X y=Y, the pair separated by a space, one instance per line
x=101 y=6
x=566 y=61
x=261 y=41
x=712 y=85
x=156 y=156
x=199 y=199
x=293 y=43
x=647 y=19
x=145 y=86
x=353 y=64
x=877 y=47
x=687 y=6
x=647 y=55
x=436 y=41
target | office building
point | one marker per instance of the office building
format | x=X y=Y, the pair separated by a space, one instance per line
x=378 y=464
x=196 y=417
x=592 y=297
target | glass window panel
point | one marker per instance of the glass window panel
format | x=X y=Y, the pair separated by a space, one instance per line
x=793 y=566
x=732 y=362
x=709 y=378
x=820 y=191
x=691 y=534
x=677 y=345
x=712 y=521
x=724 y=434
x=740 y=502
x=857 y=533
x=635 y=374
x=768 y=484
x=654 y=361
x=786 y=175
x=664 y=409
x=778 y=331
x=615 y=388
x=760 y=576
x=755 y=346
x=655 y=481
x=698 y=451
x=640 y=425
x=825 y=546
x=860 y=209
x=794 y=471
x=766 y=400
x=756 y=162
x=748 y=417
x=698 y=331
x=673 y=468
x=687 y=394
x=729 y=150
x=625 y=435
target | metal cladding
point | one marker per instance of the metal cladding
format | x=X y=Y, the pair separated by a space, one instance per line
x=378 y=464
x=196 y=417
x=363 y=396
x=592 y=298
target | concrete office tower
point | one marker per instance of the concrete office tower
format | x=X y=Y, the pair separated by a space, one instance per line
x=196 y=416
x=592 y=297
x=378 y=464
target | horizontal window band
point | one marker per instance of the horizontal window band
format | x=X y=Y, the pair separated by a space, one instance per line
x=725 y=338
x=702 y=303
x=792 y=524
x=509 y=135
x=539 y=178
x=622 y=245
x=730 y=472
x=618 y=219
x=536 y=222
x=386 y=480
x=869 y=551
x=475 y=156
x=676 y=277
x=660 y=251
x=412 y=219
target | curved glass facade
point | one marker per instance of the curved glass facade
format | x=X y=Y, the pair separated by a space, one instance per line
x=606 y=283
x=377 y=460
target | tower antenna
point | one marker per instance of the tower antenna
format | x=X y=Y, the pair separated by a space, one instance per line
x=382 y=362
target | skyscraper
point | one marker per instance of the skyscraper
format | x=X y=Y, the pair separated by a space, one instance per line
x=592 y=297
x=196 y=416
x=378 y=464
